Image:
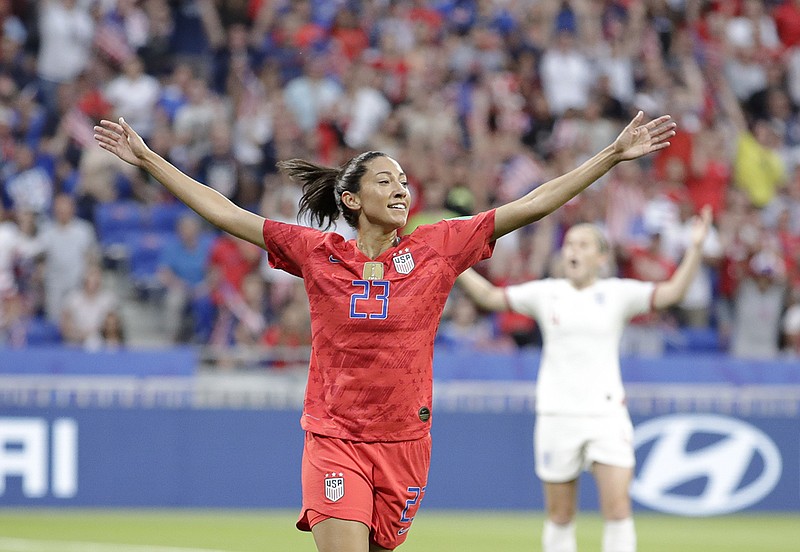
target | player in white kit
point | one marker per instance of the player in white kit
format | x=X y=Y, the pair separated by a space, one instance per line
x=581 y=418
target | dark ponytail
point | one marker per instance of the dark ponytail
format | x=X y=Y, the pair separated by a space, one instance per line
x=319 y=182
x=323 y=187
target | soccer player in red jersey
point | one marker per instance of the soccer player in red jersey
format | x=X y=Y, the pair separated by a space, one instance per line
x=376 y=303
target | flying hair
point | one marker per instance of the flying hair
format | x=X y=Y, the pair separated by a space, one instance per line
x=323 y=187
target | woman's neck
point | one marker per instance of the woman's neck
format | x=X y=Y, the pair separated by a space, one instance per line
x=373 y=244
x=583 y=283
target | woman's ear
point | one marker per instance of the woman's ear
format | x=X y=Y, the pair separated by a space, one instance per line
x=351 y=201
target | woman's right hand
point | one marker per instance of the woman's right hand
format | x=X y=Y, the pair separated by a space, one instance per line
x=121 y=140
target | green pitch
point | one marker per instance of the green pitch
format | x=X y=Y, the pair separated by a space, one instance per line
x=433 y=531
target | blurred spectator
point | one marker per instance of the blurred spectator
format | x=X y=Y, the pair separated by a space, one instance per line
x=29 y=265
x=464 y=329
x=787 y=22
x=348 y=35
x=790 y=324
x=793 y=74
x=194 y=121
x=236 y=59
x=69 y=244
x=758 y=167
x=66 y=30
x=9 y=243
x=249 y=311
x=567 y=75
x=14 y=60
x=362 y=108
x=197 y=30
x=175 y=91
x=290 y=331
x=14 y=320
x=85 y=309
x=709 y=169
x=625 y=206
x=130 y=21
x=112 y=331
x=230 y=261
x=29 y=185
x=254 y=126
x=751 y=38
x=758 y=308
x=219 y=168
x=311 y=96
x=134 y=95
x=156 y=52
x=182 y=272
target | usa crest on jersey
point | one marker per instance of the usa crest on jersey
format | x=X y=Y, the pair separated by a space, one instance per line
x=334 y=486
x=403 y=262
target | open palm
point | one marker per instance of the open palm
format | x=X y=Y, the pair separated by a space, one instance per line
x=637 y=139
x=701 y=224
x=121 y=140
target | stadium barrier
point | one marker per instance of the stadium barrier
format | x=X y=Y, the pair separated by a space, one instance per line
x=233 y=440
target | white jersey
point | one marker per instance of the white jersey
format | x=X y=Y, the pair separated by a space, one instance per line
x=579 y=372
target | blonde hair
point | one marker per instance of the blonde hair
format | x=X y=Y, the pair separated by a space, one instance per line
x=602 y=242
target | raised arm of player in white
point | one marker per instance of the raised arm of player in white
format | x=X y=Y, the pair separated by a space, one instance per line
x=482 y=292
x=634 y=141
x=121 y=140
x=672 y=291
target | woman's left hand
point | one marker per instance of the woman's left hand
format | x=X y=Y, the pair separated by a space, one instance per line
x=701 y=225
x=637 y=139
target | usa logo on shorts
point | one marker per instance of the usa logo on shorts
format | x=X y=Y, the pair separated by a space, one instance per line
x=334 y=486
x=404 y=263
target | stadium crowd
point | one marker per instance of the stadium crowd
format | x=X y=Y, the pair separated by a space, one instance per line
x=482 y=100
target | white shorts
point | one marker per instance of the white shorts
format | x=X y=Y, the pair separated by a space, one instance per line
x=565 y=445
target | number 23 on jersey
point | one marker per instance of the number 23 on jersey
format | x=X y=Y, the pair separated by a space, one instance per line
x=370 y=300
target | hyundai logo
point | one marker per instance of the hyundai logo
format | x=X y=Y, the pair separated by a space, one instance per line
x=703 y=465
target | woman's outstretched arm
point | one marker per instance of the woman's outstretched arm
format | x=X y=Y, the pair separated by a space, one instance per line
x=634 y=141
x=481 y=291
x=121 y=140
x=672 y=291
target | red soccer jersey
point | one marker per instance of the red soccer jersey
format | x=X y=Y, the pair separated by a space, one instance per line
x=373 y=322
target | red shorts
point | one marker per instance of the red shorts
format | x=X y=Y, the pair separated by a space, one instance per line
x=377 y=484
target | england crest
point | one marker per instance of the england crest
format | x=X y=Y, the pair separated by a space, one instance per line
x=334 y=486
x=403 y=263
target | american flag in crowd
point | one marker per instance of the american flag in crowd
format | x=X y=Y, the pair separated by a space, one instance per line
x=520 y=175
x=111 y=40
x=79 y=127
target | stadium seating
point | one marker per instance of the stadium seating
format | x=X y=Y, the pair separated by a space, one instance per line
x=114 y=222
x=163 y=217
x=694 y=340
x=41 y=332
x=144 y=251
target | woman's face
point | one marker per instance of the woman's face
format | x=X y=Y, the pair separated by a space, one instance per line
x=384 y=198
x=582 y=255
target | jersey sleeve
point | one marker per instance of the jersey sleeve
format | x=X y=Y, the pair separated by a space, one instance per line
x=289 y=245
x=462 y=241
x=636 y=296
x=526 y=298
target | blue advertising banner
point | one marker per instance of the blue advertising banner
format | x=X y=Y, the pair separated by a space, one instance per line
x=58 y=360
x=449 y=365
x=694 y=464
